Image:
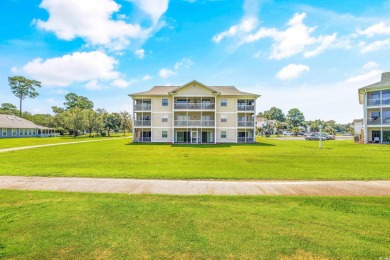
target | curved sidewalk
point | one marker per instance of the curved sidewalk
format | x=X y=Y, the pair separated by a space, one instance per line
x=198 y=187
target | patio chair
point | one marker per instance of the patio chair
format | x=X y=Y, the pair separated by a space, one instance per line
x=377 y=140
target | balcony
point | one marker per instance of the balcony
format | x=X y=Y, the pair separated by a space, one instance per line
x=373 y=121
x=142 y=123
x=386 y=121
x=142 y=139
x=245 y=107
x=245 y=124
x=194 y=106
x=245 y=139
x=142 y=107
x=194 y=123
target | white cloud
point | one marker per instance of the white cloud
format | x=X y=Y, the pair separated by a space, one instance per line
x=165 y=73
x=121 y=83
x=140 y=53
x=94 y=85
x=147 y=77
x=291 y=71
x=185 y=63
x=92 y=21
x=294 y=39
x=154 y=8
x=370 y=65
x=374 y=46
x=247 y=25
x=366 y=78
x=71 y=68
x=379 y=28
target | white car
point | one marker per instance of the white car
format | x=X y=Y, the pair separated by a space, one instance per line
x=287 y=133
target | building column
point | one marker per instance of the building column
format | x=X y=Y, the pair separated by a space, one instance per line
x=365 y=118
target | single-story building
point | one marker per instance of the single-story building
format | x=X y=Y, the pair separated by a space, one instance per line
x=12 y=126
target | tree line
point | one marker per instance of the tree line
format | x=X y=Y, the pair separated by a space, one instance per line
x=295 y=122
x=76 y=117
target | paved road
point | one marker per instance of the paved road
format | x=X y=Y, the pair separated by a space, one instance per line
x=198 y=187
x=44 y=145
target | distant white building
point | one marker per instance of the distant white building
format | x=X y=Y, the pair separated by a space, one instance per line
x=262 y=122
x=357 y=125
x=12 y=126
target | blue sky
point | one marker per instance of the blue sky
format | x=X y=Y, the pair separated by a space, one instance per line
x=312 y=55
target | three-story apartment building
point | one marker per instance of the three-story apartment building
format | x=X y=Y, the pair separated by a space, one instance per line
x=194 y=113
x=375 y=99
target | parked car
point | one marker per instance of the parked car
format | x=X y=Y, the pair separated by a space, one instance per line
x=287 y=133
x=316 y=137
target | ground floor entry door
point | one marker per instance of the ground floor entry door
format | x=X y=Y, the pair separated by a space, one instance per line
x=194 y=137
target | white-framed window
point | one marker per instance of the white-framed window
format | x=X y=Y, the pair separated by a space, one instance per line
x=164 y=102
x=223 y=102
x=33 y=132
x=21 y=132
x=164 y=118
x=26 y=131
x=223 y=134
x=223 y=118
x=14 y=132
x=4 y=132
x=164 y=134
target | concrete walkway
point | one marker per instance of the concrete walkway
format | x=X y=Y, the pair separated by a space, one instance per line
x=198 y=187
x=45 y=145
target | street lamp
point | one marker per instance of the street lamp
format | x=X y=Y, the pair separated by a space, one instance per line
x=320 y=126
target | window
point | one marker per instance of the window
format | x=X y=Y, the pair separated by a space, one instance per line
x=20 y=131
x=4 y=132
x=164 y=118
x=26 y=132
x=223 y=102
x=223 y=119
x=14 y=132
x=223 y=134
x=164 y=134
x=164 y=102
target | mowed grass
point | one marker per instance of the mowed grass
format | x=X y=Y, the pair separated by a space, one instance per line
x=269 y=159
x=37 y=225
x=29 y=141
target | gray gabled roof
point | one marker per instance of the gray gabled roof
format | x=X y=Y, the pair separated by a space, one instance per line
x=11 y=121
x=384 y=83
x=167 y=90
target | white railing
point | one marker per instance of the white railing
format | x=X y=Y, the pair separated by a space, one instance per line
x=385 y=101
x=245 y=124
x=374 y=102
x=142 y=122
x=245 y=139
x=142 y=107
x=199 y=123
x=373 y=121
x=195 y=106
x=142 y=139
x=386 y=121
x=245 y=107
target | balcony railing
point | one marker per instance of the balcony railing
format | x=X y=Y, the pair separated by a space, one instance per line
x=245 y=107
x=142 y=139
x=195 y=106
x=142 y=107
x=373 y=121
x=245 y=124
x=245 y=139
x=191 y=123
x=385 y=101
x=142 y=122
x=386 y=121
x=377 y=102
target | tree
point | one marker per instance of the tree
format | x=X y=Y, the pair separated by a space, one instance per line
x=57 y=110
x=275 y=114
x=295 y=117
x=8 y=108
x=113 y=122
x=22 y=88
x=73 y=100
x=74 y=120
x=126 y=122
x=92 y=120
x=103 y=115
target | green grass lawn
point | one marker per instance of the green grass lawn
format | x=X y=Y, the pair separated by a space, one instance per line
x=269 y=159
x=37 y=225
x=28 y=141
